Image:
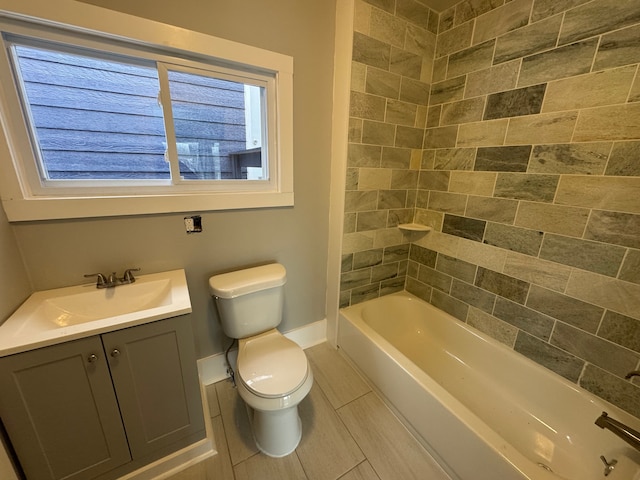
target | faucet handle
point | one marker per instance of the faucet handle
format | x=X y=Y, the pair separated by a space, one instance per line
x=608 y=466
x=101 y=282
x=128 y=275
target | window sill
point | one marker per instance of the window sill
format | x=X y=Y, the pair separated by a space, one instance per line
x=33 y=209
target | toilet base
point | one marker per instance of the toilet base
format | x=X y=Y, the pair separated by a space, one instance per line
x=277 y=433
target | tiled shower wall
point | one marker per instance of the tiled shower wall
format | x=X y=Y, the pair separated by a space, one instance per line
x=530 y=177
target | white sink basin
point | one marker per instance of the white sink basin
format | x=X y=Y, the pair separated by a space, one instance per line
x=59 y=315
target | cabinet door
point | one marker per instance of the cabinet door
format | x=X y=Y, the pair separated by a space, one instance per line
x=60 y=411
x=154 y=372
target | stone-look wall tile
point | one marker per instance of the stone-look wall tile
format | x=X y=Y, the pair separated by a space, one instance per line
x=367 y=258
x=630 y=270
x=502 y=20
x=482 y=133
x=593 y=90
x=468 y=228
x=605 y=193
x=380 y=273
x=502 y=285
x=585 y=254
x=614 y=227
x=454 y=159
x=405 y=63
x=346 y=263
x=401 y=113
x=393 y=285
x=409 y=137
x=386 y=5
x=582 y=158
x=433 y=116
x=612 y=388
x=594 y=350
x=370 y=107
x=471 y=59
x=493 y=209
x=382 y=83
x=622 y=330
x=545 y=128
x=387 y=237
x=392 y=157
x=396 y=253
x=363 y=155
x=360 y=201
x=515 y=103
x=536 y=271
x=447 y=202
x=494 y=79
x=374 y=179
x=456 y=268
x=354 y=242
x=634 y=94
x=429 y=218
x=524 y=318
x=423 y=256
x=492 y=326
x=364 y=293
x=350 y=222
x=481 y=254
x=439 y=72
x=414 y=91
x=546 y=8
x=404 y=179
x=619 y=48
x=441 y=243
x=463 y=111
x=473 y=183
x=370 y=51
x=419 y=41
x=526 y=186
x=358 y=76
x=567 y=61
x=447 y=91
x=569 y=221
x=517 y=239
x=477 y=297
x=587 y=20
x=434 y=19
x=355 y=130
x=418 y=289
x=434 y=180
x=453 y=40
x=357 y=278
x=447 y=19
x=413 y=11
x=616 y=295
x=574 y=312
x=378 y=133
x=441 y=137
x=392 y=199
x=451 y=305
x=503 y=159
x=624 y=159
x=435 y=279
x=371 y=220
x=528 y=40
x=619 y=122
x=387 y=28
x=399 y=216
x=469 y=9
x=548 y=356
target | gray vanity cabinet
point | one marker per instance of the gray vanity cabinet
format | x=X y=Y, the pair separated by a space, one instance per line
x=101 y=406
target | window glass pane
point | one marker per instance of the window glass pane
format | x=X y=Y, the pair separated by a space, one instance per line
x=211 y=119
x=92 y=119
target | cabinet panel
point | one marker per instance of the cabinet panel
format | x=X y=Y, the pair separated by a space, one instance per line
x=154 y=372
x=59 y=408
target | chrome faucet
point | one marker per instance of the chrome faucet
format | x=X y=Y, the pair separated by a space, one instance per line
x=628 y=434
x=113 y=280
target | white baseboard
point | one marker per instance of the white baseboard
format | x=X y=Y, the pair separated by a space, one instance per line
x=214 y=368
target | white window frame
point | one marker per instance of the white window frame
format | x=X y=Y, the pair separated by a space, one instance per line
x=108 y=29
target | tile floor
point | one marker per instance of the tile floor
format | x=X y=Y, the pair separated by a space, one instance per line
x=348 y=434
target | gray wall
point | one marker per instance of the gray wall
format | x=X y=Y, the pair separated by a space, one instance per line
x=58 y=253
x=528 y=175
x=14 y=283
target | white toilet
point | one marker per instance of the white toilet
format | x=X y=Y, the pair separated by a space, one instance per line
x=272 y=372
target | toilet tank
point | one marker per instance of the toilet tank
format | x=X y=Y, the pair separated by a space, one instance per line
x=249 y=301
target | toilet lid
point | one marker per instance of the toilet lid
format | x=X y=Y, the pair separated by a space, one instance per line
x=271 y=365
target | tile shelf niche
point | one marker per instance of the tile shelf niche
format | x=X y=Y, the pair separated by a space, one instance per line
x=414 y=227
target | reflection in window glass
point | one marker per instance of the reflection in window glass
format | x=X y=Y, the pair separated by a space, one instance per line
x=92 y=119
x=217 y=126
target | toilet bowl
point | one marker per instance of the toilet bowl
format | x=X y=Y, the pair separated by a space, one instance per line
x=273 y=374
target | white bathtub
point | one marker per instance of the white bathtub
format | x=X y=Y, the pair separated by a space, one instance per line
x=484 y=411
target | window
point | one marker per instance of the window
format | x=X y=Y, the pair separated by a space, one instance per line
x=102 y=126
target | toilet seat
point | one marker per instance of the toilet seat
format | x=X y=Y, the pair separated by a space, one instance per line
x=270 y=365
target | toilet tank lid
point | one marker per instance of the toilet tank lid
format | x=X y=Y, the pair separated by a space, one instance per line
x=249 y=280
